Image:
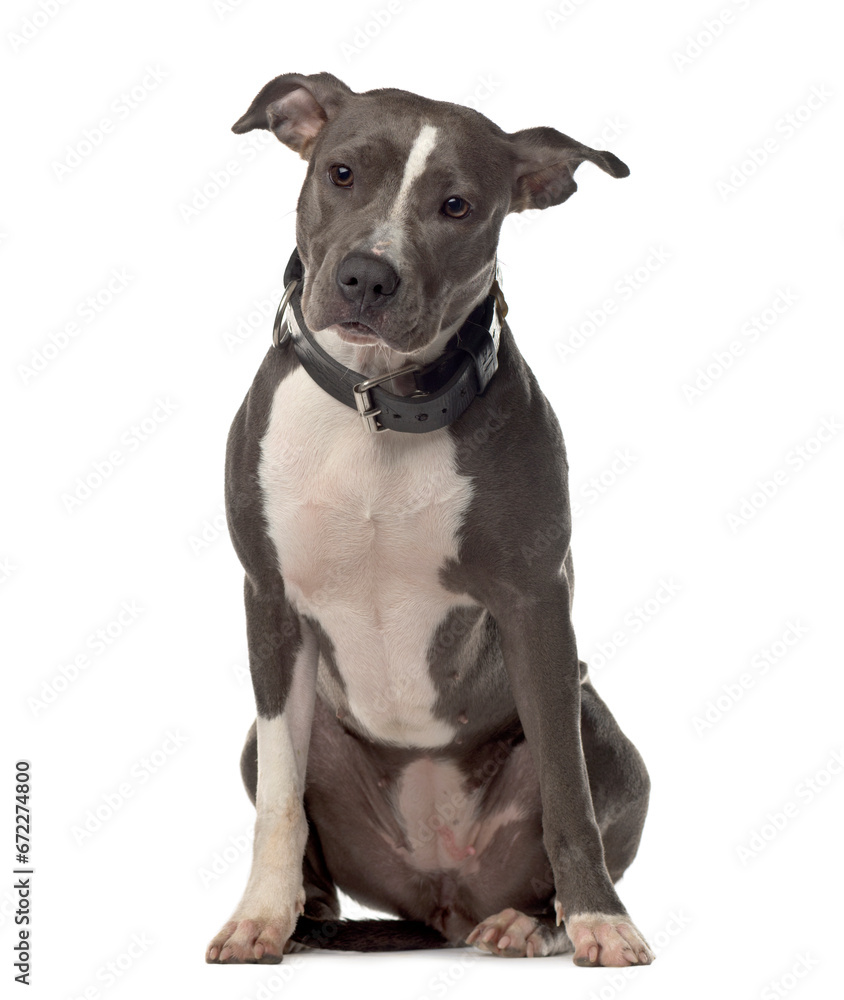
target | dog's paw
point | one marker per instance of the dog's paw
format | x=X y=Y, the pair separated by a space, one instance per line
x=251 y=941
x=514 y=935
x=607 y=939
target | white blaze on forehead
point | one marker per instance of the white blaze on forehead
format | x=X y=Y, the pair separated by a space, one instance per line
x=416 y=160
x=389 y=233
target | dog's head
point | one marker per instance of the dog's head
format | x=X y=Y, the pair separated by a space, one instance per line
x=402 y=205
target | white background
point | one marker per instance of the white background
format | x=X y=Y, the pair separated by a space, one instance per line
x=724 y=922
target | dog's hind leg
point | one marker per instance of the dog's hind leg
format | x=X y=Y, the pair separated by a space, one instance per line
x=618 y=782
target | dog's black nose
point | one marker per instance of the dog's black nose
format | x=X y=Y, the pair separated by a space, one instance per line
x=366 y=280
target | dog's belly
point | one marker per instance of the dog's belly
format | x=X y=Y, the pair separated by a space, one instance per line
x=362 y=524
x=444 y=823
x=429 y=835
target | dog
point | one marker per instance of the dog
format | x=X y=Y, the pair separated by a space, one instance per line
x=427 y=739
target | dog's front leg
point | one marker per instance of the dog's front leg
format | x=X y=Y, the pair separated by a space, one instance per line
x=283 y=662
x=540 y=654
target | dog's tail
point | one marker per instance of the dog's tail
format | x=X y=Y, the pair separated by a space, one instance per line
x=367 y=935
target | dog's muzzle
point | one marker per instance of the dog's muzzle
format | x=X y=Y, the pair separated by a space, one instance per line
x=444 y=389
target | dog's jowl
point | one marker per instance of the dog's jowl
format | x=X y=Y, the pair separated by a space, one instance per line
x=427 y=739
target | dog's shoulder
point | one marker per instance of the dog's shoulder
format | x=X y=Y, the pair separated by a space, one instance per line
x=244 y=504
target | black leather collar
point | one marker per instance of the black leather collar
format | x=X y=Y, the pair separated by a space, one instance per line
x=444 y=388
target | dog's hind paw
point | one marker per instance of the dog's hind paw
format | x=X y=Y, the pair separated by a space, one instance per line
x=515 y=935
x=607 y=939
x=249 y=941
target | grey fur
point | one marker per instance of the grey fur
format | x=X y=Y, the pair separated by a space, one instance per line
x=531 y=731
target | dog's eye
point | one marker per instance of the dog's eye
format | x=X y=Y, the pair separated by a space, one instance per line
x=341 y=175
x=456 y=208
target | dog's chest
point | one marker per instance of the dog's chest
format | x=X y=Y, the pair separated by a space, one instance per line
x=362 y=524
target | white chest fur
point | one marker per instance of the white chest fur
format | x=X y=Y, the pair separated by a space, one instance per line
x=362 y=524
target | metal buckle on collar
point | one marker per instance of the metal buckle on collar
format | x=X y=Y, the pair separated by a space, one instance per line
x=363 y=399
x=278 y=337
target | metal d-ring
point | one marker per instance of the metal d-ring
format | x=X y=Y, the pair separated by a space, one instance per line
x=278 y=337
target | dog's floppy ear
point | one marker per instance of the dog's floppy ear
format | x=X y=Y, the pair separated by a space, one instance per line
x=545 y=163
x=295 y=107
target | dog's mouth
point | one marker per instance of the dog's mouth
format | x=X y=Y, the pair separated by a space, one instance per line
x=357 y=333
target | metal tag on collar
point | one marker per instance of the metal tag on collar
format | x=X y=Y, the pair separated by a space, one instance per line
x=280 y=338
x=363 y=398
